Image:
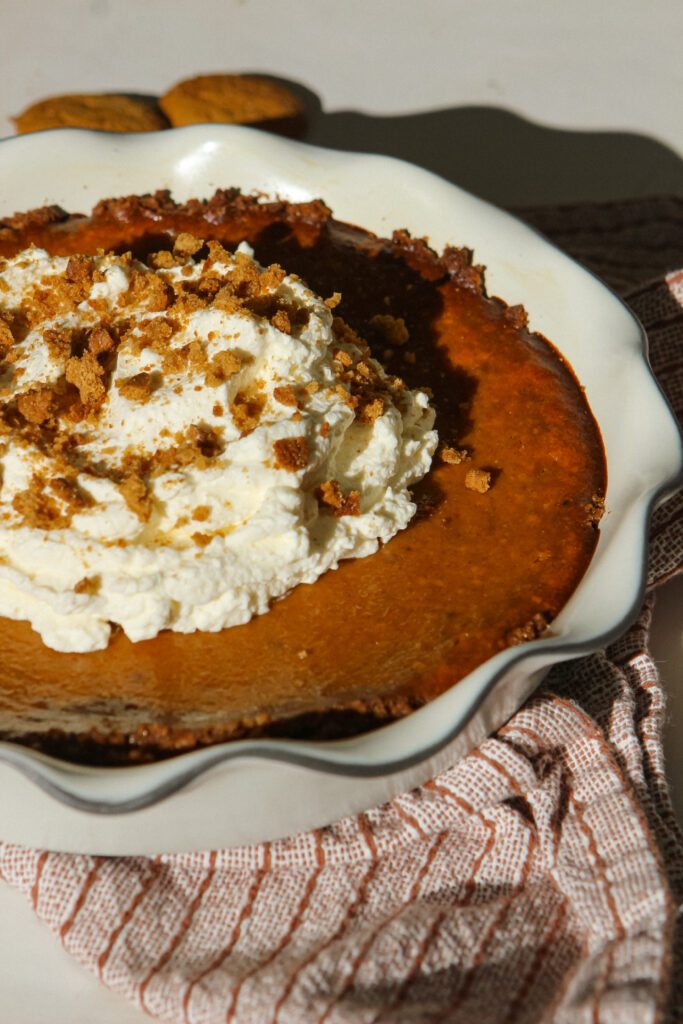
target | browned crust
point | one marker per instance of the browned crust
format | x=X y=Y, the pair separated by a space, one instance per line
x=229 y=205
x=156 y=741
x=531 y=630
x=226 y=205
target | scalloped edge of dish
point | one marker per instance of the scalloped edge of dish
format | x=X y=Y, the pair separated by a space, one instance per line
x=187 y=160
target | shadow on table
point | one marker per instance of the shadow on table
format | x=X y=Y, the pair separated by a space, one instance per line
x=502 y=157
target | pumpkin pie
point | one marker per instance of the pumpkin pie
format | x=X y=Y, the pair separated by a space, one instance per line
x=505 y=527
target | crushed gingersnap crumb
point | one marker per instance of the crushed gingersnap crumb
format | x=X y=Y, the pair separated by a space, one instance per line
x=58 y=342
x=228 y=302
x=79 y=270
x=361 y=384
x=286 y=395
x=245 y=279
x=197 y=446
x=85 y=373
x=370 y=410
x=87 y=357
x=68 y=491
x=137 y=388
x=281 y=321
x=342 y=357
x=187 y=301
x=162 y=260
x=346 y=396
x=135 y=493
x=6 y=335
x=37 y=509
x=453 y=456
x=56 y=295
x=187 y=245
x=246 y=411
x=222 y=367
x=36 y=406
x=478 y=480
x=101 y=340
x=149 y=290
x=88 y=585
x=332 y=498
x=291 y=453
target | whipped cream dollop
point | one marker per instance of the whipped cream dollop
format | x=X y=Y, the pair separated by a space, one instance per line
x=183 y=442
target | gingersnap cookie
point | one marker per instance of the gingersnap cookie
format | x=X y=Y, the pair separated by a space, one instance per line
x=229 y=99
x=103 y=111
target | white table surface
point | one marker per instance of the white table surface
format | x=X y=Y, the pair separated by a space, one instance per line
x=583 y=99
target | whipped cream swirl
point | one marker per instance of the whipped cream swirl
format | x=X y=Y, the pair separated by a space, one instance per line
x=183 y=443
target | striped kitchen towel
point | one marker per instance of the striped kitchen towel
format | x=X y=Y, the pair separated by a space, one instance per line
x=539 y=879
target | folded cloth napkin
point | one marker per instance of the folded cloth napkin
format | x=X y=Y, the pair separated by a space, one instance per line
x=538 y=879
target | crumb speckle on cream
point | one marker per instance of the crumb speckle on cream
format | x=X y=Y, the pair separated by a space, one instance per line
x=182 y=443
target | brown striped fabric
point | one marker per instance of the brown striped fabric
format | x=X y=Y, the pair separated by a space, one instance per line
x=539 y=879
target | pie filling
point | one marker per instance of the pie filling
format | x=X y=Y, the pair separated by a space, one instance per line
x=193 y=364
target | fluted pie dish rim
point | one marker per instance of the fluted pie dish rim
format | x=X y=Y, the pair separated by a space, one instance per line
x=83 y=808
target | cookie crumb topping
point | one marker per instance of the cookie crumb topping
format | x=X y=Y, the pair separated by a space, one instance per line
x=453 y=456
x=332 y=499
x=291 y=453
x=478 y=480
x=140 y=401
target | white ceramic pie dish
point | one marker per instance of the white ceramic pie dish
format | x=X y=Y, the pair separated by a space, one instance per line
x=252 y=790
